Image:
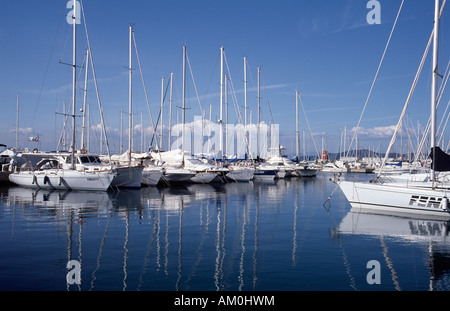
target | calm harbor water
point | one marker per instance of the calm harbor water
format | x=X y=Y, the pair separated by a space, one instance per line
x=276 y=236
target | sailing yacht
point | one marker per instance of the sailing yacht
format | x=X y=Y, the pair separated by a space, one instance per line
x=198 y=171
x=55 y=171
x=128 y=174
x=179 y=166
x=60 y=170
x=428 y=197
x=172 y=172
x=151 y=173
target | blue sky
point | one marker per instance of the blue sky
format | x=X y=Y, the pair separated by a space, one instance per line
x=324 y=49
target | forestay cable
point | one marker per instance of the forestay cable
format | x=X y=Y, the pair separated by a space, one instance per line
x=375 y=78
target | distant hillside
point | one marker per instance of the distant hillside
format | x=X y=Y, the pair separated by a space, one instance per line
x=365 y=153
x=362 y=153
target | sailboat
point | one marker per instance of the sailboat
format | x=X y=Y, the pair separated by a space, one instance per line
x=242 y=171
x=204 y=173
x=176 y=172
x=60 y=170
x=130 y=173
x=151 y=173
x=264 y=171
x=426 y=198
x=303 y=169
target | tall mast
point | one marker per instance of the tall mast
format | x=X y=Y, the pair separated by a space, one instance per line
x=102 y=134
x=209 y=129
x=170 y=111
x=64 y=133
x=121 y=130
x=74 y=79
x=245 y=93
x=88 y=147
x=226 y=116
x=434 y=81
x=221 y=103
x=130 y=108
x=17 y=122
x=297 y=138
x=83 y=126
x=184 y=101
x=162 y=114
x=245 y=106
x=259 y=110
x=304 y=145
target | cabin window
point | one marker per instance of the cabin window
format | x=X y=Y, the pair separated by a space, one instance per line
x=94 y=160
x=84 y=160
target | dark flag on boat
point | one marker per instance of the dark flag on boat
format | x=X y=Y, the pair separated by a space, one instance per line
x=440 y=160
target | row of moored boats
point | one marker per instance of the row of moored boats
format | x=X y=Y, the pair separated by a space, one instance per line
x=83 y=171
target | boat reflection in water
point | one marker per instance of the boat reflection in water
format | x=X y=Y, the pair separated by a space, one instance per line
x=57 y=202
x=168 y=238
x=214 y=237
x=193 y=237
x=431 y=235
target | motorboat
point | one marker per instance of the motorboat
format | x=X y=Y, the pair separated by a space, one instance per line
x=240 y=173
x=5 y=159
x=307 y=170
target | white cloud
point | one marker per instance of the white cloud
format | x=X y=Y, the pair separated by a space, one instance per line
x=98 y=127
x=376 y=132
x=26 y=130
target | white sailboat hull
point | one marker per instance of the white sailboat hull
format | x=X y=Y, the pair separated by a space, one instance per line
x=412 y=229
x=62 y=179
x=396 y=198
